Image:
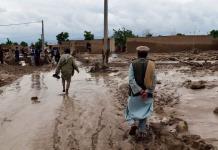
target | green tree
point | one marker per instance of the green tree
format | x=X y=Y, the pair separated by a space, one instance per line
x=180 y=34
x=24 y=44
x=63 y=36
x=121 y=36
x=149 y=35
x=38 y=44
x=15 y=43
x=9 y=42
x=88 y=35
x=214 y=33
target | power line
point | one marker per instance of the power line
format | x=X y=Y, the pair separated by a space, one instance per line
x=17 y=24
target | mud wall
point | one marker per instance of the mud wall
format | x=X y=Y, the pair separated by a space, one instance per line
x=95 y=45
x=173 y=43
x=80 y=46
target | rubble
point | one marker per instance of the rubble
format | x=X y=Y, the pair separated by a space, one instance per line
x=35 y=100
x=216 y=111
x=195 y=85
x=181 y=127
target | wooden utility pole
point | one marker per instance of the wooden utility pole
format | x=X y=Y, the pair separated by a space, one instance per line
x=43 y=37
x=105 y=32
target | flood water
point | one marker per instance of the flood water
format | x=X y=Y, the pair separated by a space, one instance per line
x=90 y=117
x=89 y=111
x=22 y=120
x=196 y=106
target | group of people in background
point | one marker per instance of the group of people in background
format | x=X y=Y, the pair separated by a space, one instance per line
x=1 y=55
x=32 y=55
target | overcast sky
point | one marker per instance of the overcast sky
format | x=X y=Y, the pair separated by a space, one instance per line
x=161 y=17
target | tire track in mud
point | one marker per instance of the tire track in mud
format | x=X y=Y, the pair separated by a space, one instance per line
x=98 y=130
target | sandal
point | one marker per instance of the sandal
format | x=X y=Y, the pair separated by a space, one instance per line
x=133 y=130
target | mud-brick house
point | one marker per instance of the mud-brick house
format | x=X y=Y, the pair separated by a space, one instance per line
x=53 y=46
x=91 y=46
x=173 y=43
x=10 y=48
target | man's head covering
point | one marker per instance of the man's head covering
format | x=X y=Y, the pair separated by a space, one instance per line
x=143 y=49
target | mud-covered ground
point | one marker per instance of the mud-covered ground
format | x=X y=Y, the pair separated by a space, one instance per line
x=91 y=116
x=185 y=97
x=9 y=73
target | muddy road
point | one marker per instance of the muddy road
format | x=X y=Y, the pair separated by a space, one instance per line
x=91 y=115
x=89 y=118
x=25 y=123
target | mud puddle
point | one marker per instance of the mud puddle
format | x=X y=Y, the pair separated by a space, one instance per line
x=195 y=106
x=23 y=124
x=88 y=118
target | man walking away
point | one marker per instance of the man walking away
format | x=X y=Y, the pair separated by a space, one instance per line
x=17 y=55
x=66 y=66
x=57 y=55
x=1 y=55
x=142 y=81
x=32 y=53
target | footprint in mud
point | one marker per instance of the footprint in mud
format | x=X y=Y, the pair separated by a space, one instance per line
x=5 y=120
x=62 y=94
x=35 y=100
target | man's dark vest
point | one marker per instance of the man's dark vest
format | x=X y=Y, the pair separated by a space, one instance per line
x=139 y=69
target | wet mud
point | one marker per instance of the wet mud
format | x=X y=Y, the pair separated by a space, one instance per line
x=26 y=125
x=36 y=115
x=90 y=117
x=10 y=73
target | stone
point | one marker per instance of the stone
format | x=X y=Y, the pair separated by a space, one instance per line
x=96 y=67
x=35 y=100
x=158 y=82
x=159 y=110
x=165 y=120
x=156 y=127
x=197 y=85
x=216 y=111
x=182 y=127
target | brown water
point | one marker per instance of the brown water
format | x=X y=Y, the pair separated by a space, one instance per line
x=24 y=123
x=196 y=106
x=89 y=118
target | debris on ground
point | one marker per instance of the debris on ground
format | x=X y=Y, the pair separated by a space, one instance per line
x=35 y=100
x=97 y=67
x=158 y=82
x=195 y=85
x=182 y=126
x=216 y=110
x=168 y=131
